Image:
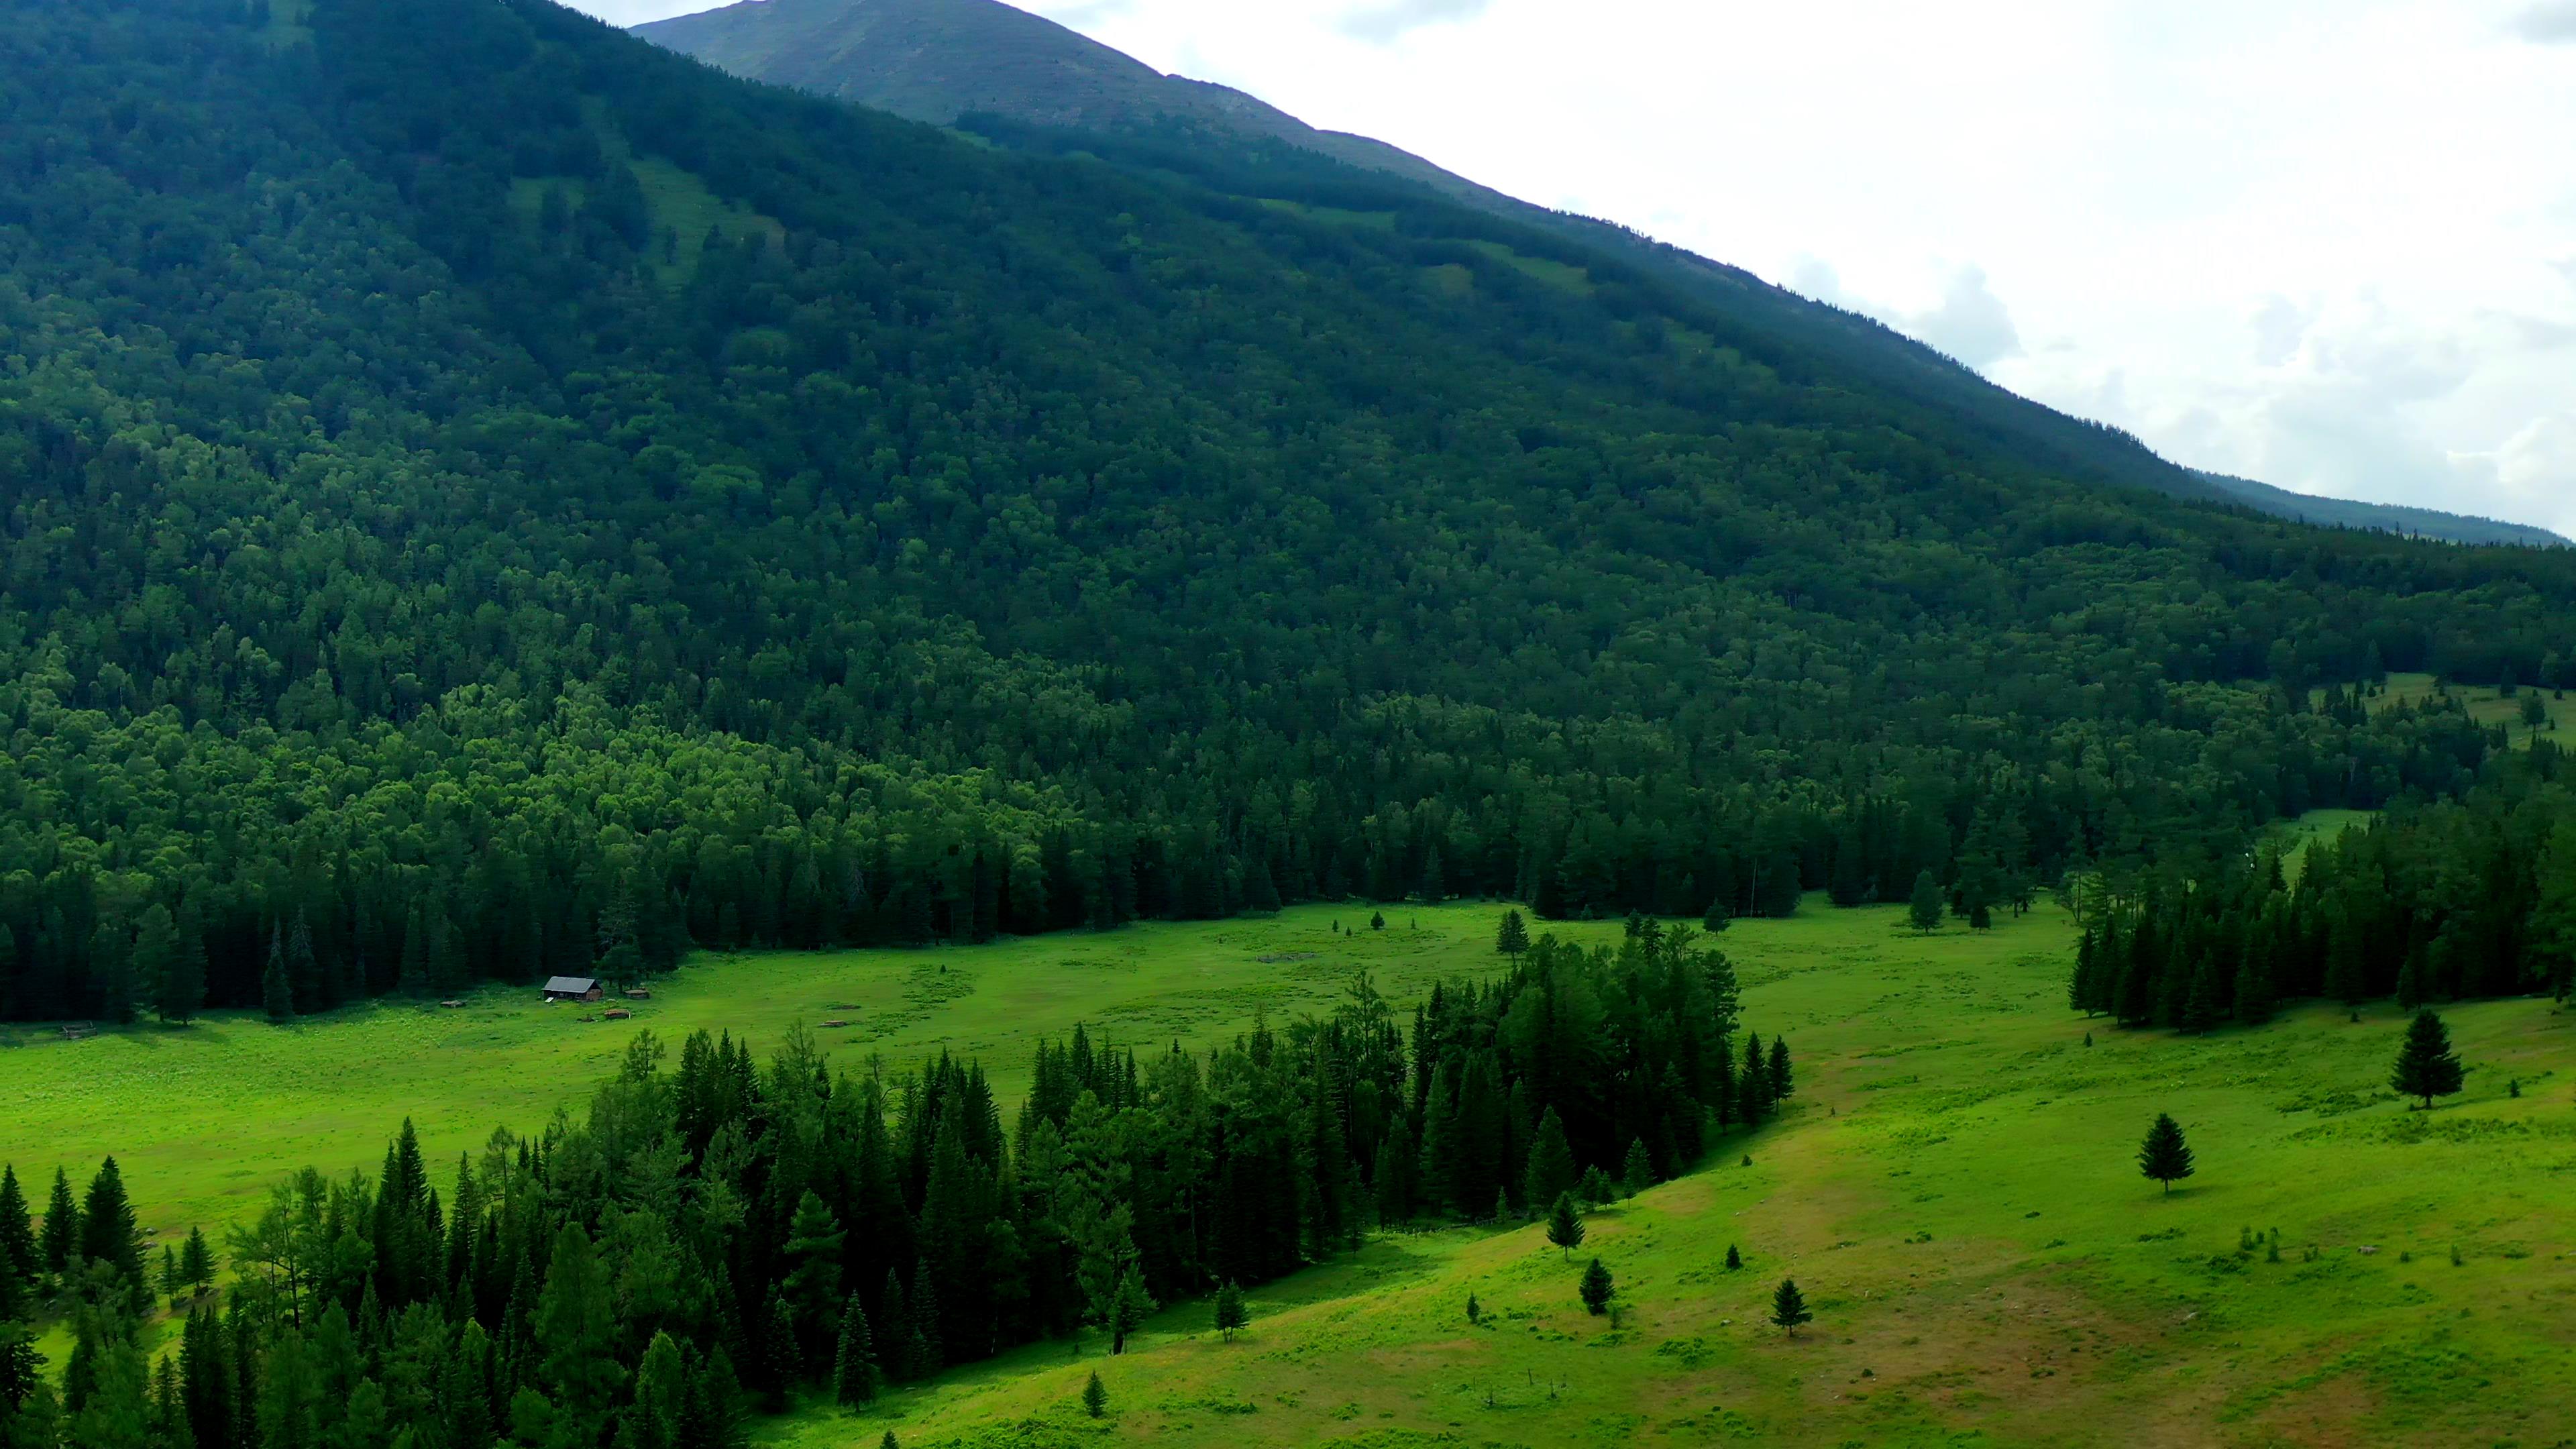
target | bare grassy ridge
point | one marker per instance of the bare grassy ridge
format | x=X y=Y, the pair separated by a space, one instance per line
x=1953 y=1187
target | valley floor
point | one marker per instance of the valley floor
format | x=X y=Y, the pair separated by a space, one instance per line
x=1954 y=1187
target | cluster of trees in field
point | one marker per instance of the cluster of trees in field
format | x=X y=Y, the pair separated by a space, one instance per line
x=718 y=1236
x=2435 y=900
x=423 y=565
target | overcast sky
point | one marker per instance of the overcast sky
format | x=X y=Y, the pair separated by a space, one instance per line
x=2330 y=244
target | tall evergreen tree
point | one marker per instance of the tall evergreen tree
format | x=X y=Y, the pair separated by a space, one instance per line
x=1232 y=1314
x=276 y=992
x=2164 y=1155
x=1513 y=938
x=1550 y=1171
x=20 y=1258
x=2426 y=1065
x=1789 y=1307
x=854 y=1365
x=59 y=1246
x=108 y=1231
x=1565 y=1225
x=1926 y=908
x=1597 y=1289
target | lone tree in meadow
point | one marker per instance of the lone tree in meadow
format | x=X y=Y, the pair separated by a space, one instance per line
x=1513 y=938
x=1095 y=1398
x=1927 y=908
x=1565 y=1224
x=1734 y=1259
x=1231 y=1314
x=2426 y=1065
x=1789 y=1306
x=1597 y=1289
x=2164 y=1156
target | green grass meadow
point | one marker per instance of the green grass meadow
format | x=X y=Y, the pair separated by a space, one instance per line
x=1954 y=1188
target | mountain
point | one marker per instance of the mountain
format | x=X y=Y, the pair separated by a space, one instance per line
x=948 y=62
x=2386 y=517
x=489 y=497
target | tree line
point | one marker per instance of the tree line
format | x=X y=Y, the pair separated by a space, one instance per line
x=2434 y=900
x=717 y=1237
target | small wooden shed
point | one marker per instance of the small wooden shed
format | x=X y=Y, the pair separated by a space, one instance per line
x=574 y=988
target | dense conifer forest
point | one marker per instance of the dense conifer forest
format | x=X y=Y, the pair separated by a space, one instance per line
x=488 y=498
x=716 y=1238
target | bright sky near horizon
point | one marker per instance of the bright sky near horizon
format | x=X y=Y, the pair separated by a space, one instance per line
x=2329 y=244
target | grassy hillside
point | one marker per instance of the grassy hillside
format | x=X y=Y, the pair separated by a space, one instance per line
x=1953 y=1188
x=1956 y=1193
x=205 y=1118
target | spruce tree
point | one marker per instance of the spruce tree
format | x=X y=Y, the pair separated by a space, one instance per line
x=1789 y=1307
x=897 y=1356
x=1781 y=1080
x=1095 y=1397
x=854 y=1366
x=1597 y=1289
x=1513 y=938
x=197 y=1261
x=2164 y=1155
x=108 y=1233
x=2426 y=1066
x=1128 y=1310
x=19 y=1256
x=59 y=1248
x=1565 y=1225
x=1638 y=1172
x=1550 y=1171
x=276 y=994
x=812 y=1281
x=1717 y=917
x=1734 y=1259
x=1753 y=1084
x=1925 y=910
x=1596 y=1188
x=1231 y=1313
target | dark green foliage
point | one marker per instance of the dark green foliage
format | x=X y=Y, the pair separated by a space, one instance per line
x=1734 y=1259
x=1926 y=907
x=1637 y=1172
x=1513 y=937
x=1779 y=1079
x=1232 y=1315
x=2426 y=1065
x=1095 y=1398
x=108 y=1231
x=1597 y=1289
x=1789 y=1307
x=1565 y=1224
x=854 y=1366
x=1596 y=1187
x=1550 y=1172
x=21 y=1260
x=1475 y=1314
x=2164 y=1155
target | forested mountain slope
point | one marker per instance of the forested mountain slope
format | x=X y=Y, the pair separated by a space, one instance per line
x=953 y=61
x=486 y=495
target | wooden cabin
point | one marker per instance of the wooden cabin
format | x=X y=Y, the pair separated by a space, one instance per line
x=574 y=988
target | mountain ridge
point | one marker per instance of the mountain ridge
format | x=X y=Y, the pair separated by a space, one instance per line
x=944 y=61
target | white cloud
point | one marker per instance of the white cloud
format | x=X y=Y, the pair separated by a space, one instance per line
x=1971 y=324
x=2550 y=23
x=1379 y=24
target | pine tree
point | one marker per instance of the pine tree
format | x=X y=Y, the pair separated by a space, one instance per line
x=108 y=1233
x=20 y=1258
x=59 y=1249
x=576 y=1333
x=1638 y=1172
x=1925 y=910
x=854 y=1365
x=1781 y=1080
x=197 y=1261
x=276 y=994
x=897 y=1357
x=1596 y=1187
x=1550 y=1171
x=2426 y=1065
x=1095 y=1397
x=1789 y=1307
x=1753 y=1084
x=1717 y=917
x=1231 y=1313
x=1734 y=1259
x=1513 y=938
x=812 y=1280
x=1565 y=1225
x=1597 y=1289
x=2164 y=1155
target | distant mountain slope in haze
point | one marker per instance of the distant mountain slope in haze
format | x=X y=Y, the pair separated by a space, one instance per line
x=2390 y=517
x=941 y=61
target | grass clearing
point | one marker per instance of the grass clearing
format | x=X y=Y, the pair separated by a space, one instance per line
x=1953 y=1188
